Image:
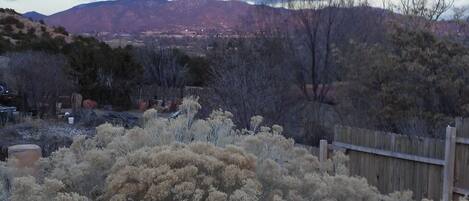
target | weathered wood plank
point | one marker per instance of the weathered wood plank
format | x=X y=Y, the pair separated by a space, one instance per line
x=361 y=137
x=461 y=191
x=435 y=178
x=323 y=150
x=461 y=171
x=461 y=140
x=448 y=172
x=390 y=154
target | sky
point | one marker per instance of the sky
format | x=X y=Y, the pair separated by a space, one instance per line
x=46 y=7
x=49 y=7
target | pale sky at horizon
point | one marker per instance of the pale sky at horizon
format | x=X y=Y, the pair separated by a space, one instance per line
x=49 y=7
x=46 y=7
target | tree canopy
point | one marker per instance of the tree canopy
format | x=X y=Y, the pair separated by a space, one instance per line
x=420 y=78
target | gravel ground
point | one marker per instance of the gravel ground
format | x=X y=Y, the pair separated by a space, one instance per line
x=60 y=130
x=51 y=135
x=48 y=135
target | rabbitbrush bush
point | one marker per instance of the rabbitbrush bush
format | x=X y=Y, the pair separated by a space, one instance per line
x=187 y=159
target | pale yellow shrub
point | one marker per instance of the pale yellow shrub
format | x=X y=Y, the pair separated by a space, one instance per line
x=463 y=199
x=3 y=179
x=190 y=106
x=149 y=116
x=26 y=188
x=287 y=172
x=82 y=167
x=399 y=196
x=178 y=171
x=190 y=159
x=3 y=191
x=106 y=133
x=256 y=122
x=70 y=197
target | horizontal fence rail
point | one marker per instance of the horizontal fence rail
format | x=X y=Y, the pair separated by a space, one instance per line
x=390 y=154
x=461 y=140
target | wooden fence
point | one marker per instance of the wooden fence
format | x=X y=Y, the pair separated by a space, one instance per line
x=461 y=166
x=432 y=168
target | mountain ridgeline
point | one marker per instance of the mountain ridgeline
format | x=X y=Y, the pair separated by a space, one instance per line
x=127 y=16
x=34 y=15
x=199 y=17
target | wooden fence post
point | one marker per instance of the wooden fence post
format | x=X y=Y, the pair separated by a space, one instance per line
x=448 y=174
x=323 y=150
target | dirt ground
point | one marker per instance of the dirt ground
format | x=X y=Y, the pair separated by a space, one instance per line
x=53 y=134
x=49 y=135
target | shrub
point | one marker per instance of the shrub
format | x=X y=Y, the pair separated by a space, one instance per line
x=8 y=11
x=191 y=159
x=3 y=188
x=11 y=20
x=31 y=31
x=196 y=171
x=45 y=35
x=149 y=115
x=60 y=30
x=26 y=188
x=8 y=28
x=413 y=86
x=5 y=45
x=19 y=25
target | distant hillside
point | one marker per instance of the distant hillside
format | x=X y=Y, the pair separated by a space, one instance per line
x=34 y=15
x=201 y=17
x=16 y=29
x=130 y=16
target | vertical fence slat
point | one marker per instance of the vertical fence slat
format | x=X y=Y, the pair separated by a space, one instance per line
x=448 y=174
x=461 y=169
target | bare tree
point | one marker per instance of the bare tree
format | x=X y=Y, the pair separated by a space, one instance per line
x=250 y=77
x=164 y=67
x=460 y=13
x=317 y=31
x=461 y=18
x=429 y=9
x=314 y=31
x=419 y=14
x=39 y=78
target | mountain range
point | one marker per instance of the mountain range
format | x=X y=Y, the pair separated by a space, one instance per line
x=199 y=17
x=34 y=15
x=136 y=16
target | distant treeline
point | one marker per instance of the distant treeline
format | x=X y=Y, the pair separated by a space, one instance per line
x=94 y=69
